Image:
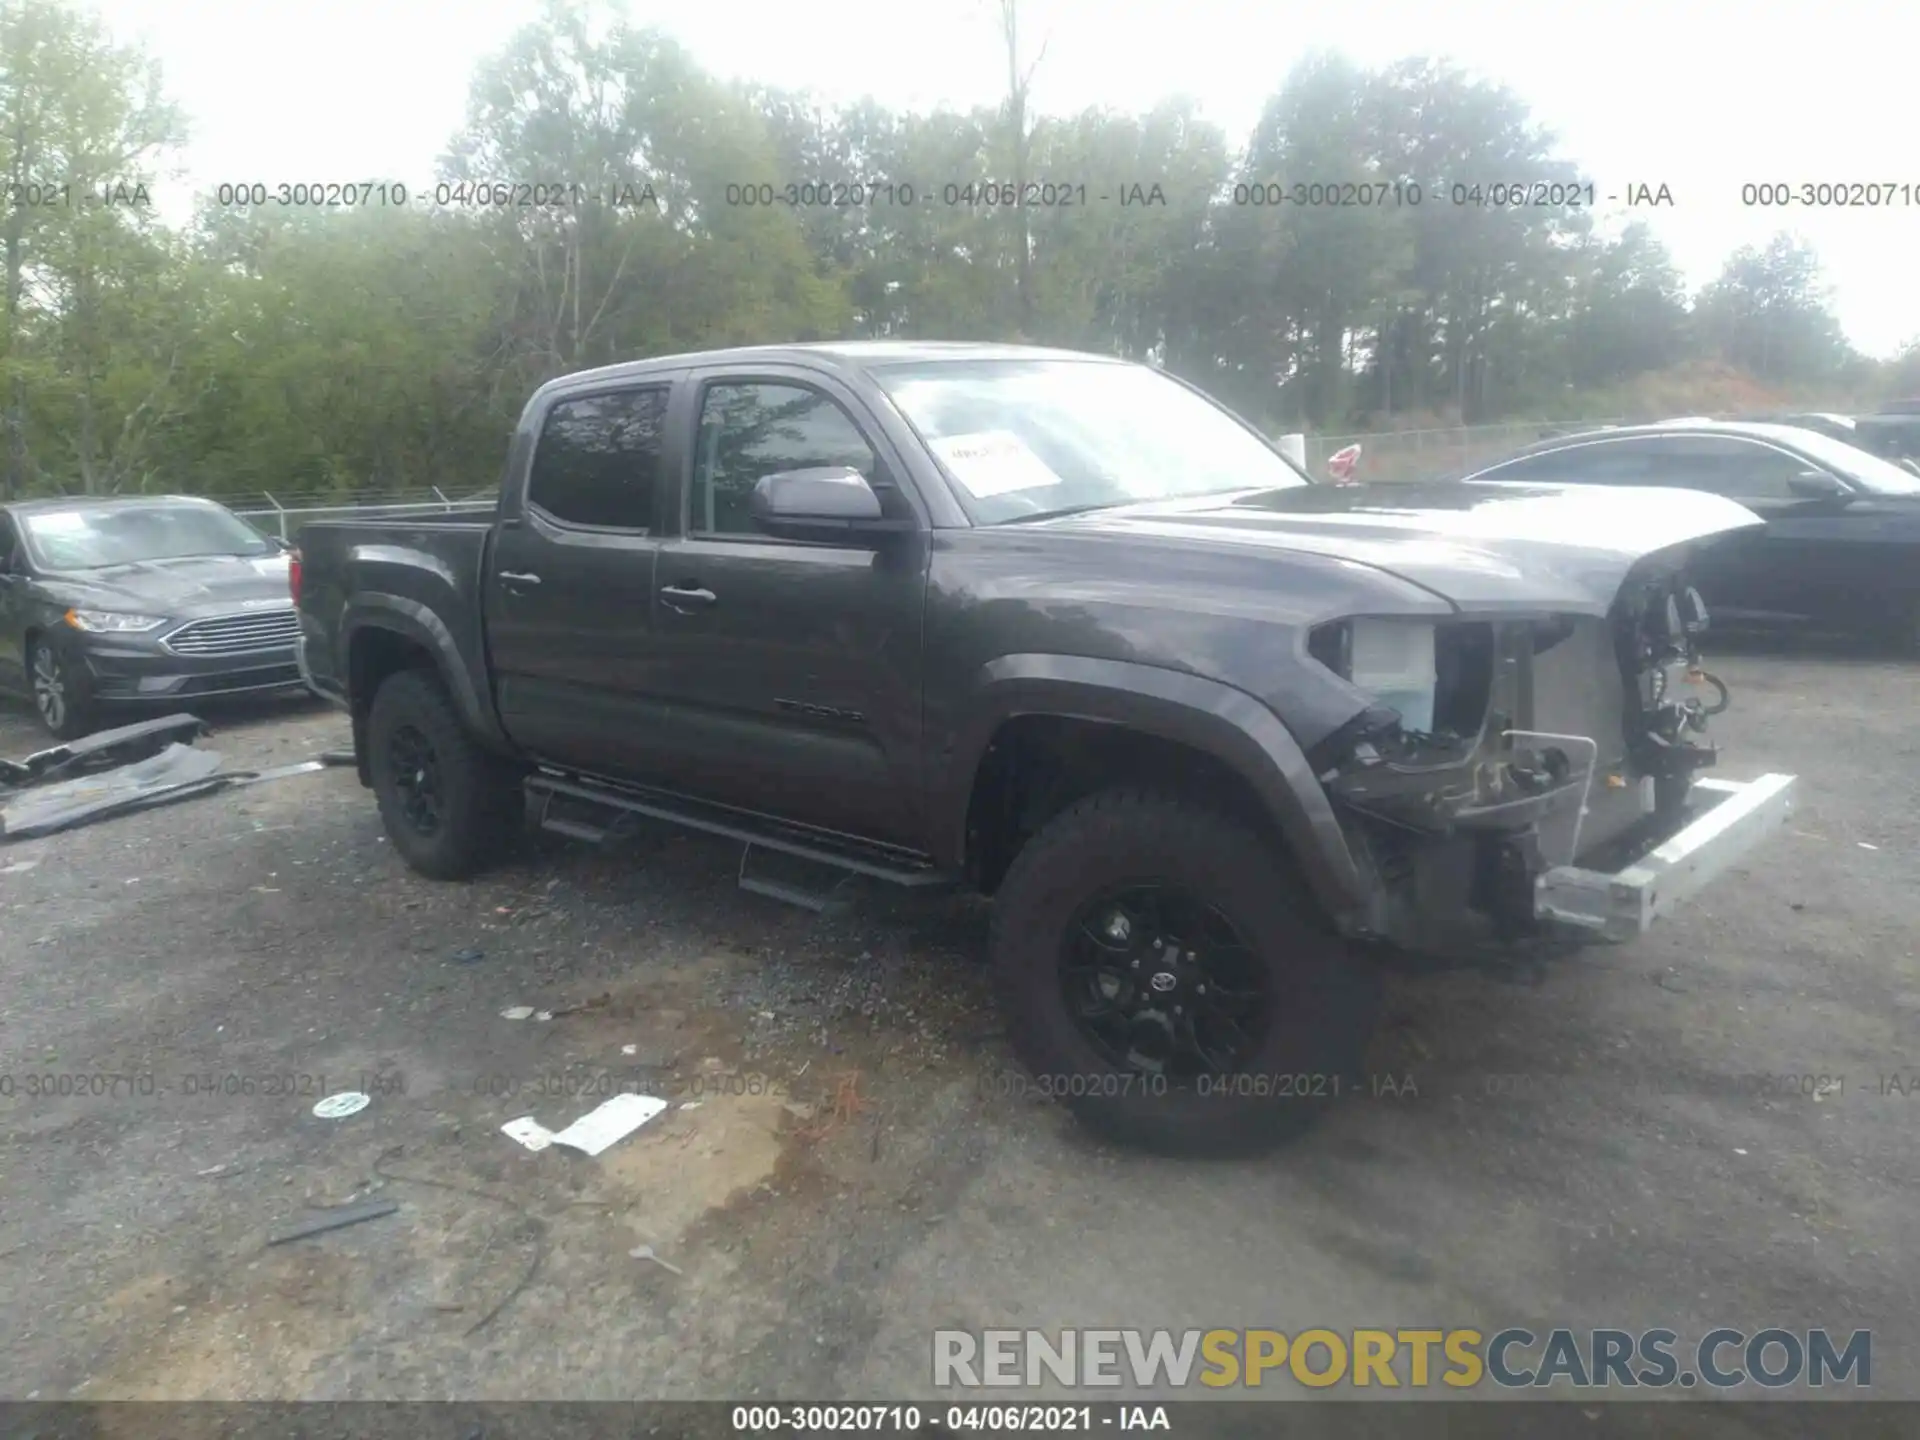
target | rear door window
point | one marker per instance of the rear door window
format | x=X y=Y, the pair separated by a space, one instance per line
x=599 y=460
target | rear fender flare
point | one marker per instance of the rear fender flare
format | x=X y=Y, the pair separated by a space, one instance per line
x=418 y=624
x=1228 y=724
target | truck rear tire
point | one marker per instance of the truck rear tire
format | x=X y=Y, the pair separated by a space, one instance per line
x=449 y=807
x=1163 y=974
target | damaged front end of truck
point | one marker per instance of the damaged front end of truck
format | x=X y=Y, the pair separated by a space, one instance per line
x=1519 y=771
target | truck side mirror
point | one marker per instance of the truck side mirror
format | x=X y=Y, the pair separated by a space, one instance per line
x=824 y=502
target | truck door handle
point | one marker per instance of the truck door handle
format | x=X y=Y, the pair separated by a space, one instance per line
x=517 y=577
x=687 y=597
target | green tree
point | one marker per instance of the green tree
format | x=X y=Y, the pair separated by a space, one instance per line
x=84 y=128
x=1632 y=311
x=1769 y=313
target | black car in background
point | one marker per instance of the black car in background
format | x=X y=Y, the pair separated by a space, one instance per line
x=138 y=600
x=1841 y=547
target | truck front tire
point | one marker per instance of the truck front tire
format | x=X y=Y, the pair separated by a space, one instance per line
x=1164 y=975
x=449 y=806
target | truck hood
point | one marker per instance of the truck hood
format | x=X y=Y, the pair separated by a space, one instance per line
x=1483 y=547
x=174 y=588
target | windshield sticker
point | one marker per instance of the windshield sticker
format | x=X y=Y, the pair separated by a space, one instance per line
x=993 y=462
x=58 y=522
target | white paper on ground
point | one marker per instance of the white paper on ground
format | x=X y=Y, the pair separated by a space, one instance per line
x=993 y=462
x=529 y=1132
x=609 y=1122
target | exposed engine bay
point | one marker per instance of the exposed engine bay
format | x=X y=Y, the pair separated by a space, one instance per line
x=1502 y=747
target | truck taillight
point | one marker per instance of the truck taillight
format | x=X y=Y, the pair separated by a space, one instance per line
x=293 y=575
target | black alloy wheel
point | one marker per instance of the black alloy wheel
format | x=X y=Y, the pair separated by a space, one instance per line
x=1164 y=973
x=450 y=806
x=416 y=778
x=1162 y=983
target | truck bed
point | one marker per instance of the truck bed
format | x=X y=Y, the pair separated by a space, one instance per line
x=422 y=576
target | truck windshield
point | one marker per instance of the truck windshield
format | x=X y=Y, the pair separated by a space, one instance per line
x=94 y=537
x=1021 y=439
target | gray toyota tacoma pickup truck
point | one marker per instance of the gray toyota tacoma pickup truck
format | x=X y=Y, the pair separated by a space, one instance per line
x=1062 y=629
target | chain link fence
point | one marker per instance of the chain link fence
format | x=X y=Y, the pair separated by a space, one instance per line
x=284 y=518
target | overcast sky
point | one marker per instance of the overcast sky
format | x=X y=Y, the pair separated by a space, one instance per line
x=1701 y=96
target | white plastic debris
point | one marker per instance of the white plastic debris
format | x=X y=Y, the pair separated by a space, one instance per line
x=629 y=1049
x=517 y=1012
x=338 y=1107
x=543 y=1015
x=529 y=1132
x=645 y=1252
x=1738 y=1151
x=1865 y=846
x=609 y=1122
x=599 y=1129
x=18 y=867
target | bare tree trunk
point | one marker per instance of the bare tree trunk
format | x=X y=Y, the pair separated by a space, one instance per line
x=88 y=442
x=16 y=472
x=1017 y=85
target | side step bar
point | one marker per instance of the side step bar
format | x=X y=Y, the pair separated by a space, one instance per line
x=608 y=811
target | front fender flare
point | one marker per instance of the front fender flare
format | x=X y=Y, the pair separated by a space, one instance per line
x=1228 y=724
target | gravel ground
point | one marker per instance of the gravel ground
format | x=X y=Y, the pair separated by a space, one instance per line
x=1571 y=1141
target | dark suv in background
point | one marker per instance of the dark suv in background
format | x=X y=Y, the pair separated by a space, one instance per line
x=138 y=600
x=1841 y=547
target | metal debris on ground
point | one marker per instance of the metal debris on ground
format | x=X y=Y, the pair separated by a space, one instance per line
x=115 y=772
x=278 y=772
x=847 y=1103
x=529 y=1132
x=338 y=1220
x=599 y=1002
x=338 y=1107
x=609 y=1122
x=102 y=750
x=645 y=1252
x=598 y=1130
x=176 y=773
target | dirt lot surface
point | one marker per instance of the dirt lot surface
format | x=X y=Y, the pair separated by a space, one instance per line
x=1579 y=1141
